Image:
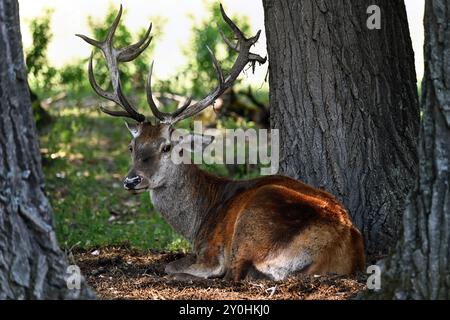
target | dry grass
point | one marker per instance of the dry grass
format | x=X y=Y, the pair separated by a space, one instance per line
x=121 y=273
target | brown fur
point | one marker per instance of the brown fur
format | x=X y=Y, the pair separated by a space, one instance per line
x=257 y=227
x=275 y=212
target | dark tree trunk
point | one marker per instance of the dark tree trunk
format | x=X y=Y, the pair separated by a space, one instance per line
x=420 y=267
x=31 y=264
x=345 y=101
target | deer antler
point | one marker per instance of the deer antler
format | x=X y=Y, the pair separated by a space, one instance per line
x=113 y=57
x=245 y=56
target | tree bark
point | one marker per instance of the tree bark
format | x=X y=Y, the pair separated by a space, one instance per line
x=344 y=98
x=420 y=266
x=32 y=266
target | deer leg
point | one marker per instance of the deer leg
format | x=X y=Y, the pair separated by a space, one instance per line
x=179 y=265
x=205 y=271
x=189 y=267
x=175 y=269
x=244 y=270
x=182 y=277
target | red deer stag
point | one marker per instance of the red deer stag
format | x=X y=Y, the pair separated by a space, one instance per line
x=271 y=227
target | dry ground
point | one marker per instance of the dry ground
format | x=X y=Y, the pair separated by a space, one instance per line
x=122 y=273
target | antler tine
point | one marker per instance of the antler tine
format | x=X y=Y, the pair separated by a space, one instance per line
x=118 y=98
x=96 y=87
x=228 y=41
x=113 y=57
x=112 y=30
x=162 y=116
x=251 y=56
x=239 y=34
x=183 y=107
x=244 y=56
x=133 y=51
x=217 y=67
x=93 y=42
x=127 y=106
x=116 y=113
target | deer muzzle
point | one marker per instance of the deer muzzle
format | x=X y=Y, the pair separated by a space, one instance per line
x=130 y=183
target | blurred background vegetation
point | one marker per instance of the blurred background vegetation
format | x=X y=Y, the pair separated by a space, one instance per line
x=84 y=151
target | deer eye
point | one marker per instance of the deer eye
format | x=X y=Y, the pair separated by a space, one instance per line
x=166 y=148
x=130 y=148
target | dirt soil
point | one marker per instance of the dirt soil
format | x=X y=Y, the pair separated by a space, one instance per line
x=121 y=273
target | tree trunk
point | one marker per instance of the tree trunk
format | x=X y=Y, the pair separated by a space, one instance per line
x=420 y=266
x=31 y=264
x=344 y=98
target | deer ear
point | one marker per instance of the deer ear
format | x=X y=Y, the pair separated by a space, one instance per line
x=133 y=128
x=191 y=140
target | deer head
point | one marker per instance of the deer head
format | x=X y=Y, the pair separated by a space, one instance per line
x=151 y=144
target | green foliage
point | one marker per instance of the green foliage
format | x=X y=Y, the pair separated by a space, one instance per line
x=41 y=74
x=73 y=78
x=199 y=69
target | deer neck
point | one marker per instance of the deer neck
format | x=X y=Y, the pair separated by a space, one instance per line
x=188 y=197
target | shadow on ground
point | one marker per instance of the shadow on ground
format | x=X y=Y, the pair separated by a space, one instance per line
x=122 y=273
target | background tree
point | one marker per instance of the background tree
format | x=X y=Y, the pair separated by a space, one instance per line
x=345 y=101
x=420 y=267
x=31 y=263
x=41 y=75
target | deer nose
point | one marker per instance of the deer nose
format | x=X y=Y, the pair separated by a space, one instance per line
x=131 y=183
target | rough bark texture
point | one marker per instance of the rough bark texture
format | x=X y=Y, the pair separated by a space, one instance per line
x=345 y=101
x=31 y=264
x=420 y=267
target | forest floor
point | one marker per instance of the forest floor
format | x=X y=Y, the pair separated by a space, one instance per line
x=122 y=273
